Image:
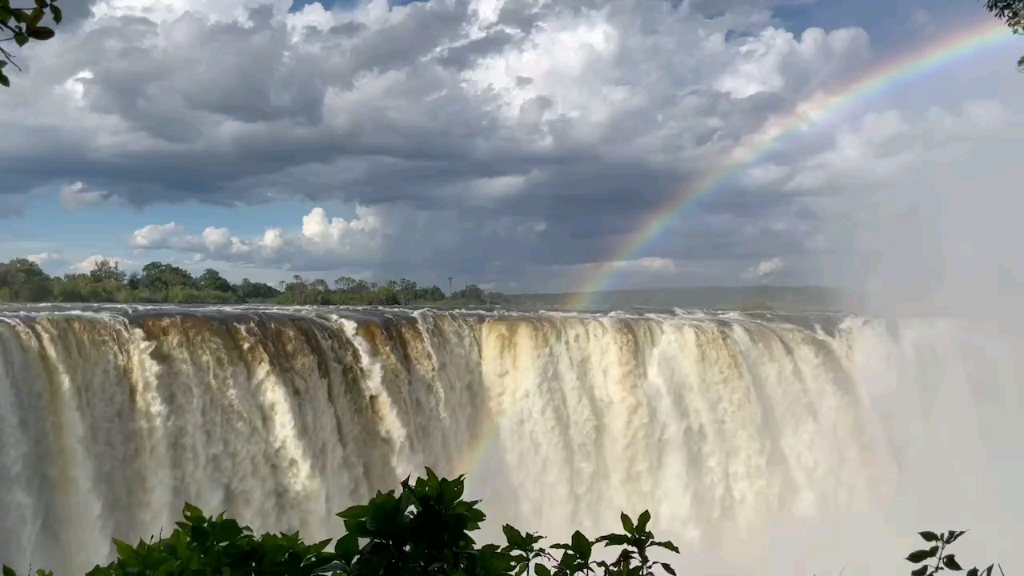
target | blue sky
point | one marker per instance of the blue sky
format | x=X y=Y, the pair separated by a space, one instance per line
x=510 y=143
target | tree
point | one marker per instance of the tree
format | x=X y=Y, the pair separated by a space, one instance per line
x=160 y=276
x=22 y=25
x=432 y=294
x=249 y=290
x=406 y=290
x=211 y=280
x=107 y=271
x=1012 y=12
x=345 y=284
x=23 y=280
x=19 y=270
x=450 y=285
x=473 y=293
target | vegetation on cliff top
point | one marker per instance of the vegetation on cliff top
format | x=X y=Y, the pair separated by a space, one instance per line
x=22 y=280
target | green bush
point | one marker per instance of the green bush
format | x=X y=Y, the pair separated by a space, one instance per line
x=422 y=530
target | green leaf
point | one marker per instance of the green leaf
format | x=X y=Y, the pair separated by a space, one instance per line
x=56 y=13
x=4 y=80
x=954 y=536
x=667 y=568
x=200 y=535
x=614 y=540
x=581 y=545
x=3 y=64
x=667 y=545
x=41 y=3
x=357 y=512
x=541 y=570
x=8 y=571
x=319 y=546
x=41 y=33
x=641 y=522
x=512 y=535
x=124 y=549
x=972 y=572
x=627 y=524
x=920 y=570
x=920 y=556
x=929 y=536
x=35 y=17
x=949 y=561
x=192 y=514
x=20 y=39
x=347 y=547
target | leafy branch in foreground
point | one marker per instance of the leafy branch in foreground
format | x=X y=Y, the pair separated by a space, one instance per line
x=1011 y=12
x=422 y=530
x=943 y=561
x=20 y=25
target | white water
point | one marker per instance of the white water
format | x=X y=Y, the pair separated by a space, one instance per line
x=759 y=446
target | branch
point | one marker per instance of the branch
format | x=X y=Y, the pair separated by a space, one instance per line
x=10 y=58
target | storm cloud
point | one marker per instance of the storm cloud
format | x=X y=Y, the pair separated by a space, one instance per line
x=496 y=138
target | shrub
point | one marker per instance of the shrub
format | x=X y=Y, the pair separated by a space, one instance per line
x=422 y=530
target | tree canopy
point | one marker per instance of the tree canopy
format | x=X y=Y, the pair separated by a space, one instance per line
x=1011 y=12
x=22 y=280
x=21 y=26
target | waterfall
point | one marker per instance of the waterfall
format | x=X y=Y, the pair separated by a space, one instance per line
x=725 y=426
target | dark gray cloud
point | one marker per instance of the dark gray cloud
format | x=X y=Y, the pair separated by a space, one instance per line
x=483 y=137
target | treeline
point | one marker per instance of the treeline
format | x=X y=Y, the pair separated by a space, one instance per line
x=22 y=280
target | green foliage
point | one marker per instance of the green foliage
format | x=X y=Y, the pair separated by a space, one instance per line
x=22 y=25
x=424 y=529
x=942 y=561
x=1011 y=12
x=22 y=280
x=212 y=281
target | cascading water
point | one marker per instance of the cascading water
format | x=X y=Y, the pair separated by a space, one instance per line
x=722 y=425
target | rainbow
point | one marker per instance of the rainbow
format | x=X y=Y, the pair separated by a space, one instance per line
x=913 y=63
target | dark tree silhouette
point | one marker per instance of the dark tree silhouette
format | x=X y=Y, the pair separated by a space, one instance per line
x=22 y=25
x=1011 y=12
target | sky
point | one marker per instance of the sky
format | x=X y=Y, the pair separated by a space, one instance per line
x=513 y=144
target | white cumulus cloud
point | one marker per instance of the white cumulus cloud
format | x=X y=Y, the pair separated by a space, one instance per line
x=45 y=258
x=334 y=240
x=86 y=265
x=764 y=268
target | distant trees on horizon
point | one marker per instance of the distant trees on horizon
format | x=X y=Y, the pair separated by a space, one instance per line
x=22 y=280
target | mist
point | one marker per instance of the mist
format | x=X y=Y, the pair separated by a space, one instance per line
x=943 y=240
